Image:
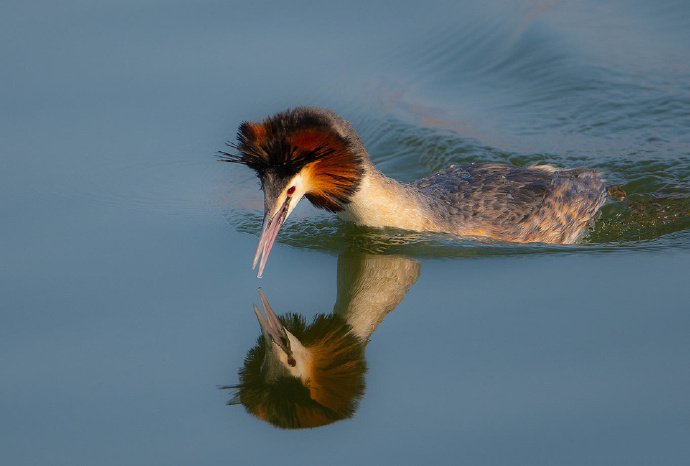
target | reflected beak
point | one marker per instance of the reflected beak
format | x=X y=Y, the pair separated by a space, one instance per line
x=269 y=232
x=271 y=327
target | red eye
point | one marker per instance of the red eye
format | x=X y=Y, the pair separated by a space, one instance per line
x=291 y=191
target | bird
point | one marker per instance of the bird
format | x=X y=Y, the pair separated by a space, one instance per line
x=302 y=375
x=312 y=152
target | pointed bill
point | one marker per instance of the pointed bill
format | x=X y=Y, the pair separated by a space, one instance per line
x=269 y=232
x=262 y=240
x=271 y=326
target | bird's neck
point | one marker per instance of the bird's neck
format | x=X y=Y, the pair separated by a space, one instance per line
x=370 y=286
x=383 y=202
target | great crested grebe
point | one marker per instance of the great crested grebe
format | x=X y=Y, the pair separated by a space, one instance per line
x=308 y=375
x=312 y=152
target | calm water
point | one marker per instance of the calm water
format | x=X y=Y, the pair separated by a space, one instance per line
x=125 y=247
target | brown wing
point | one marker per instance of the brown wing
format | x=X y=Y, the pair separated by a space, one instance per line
x=516 y=204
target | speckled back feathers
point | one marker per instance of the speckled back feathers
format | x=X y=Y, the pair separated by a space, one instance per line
x=509 y=203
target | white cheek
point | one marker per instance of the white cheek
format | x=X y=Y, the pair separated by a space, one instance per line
x=297 y=370
x=302 y=359
x=293 y=203
x=298 y=183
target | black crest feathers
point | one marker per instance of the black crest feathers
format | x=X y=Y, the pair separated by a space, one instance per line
x=302 y=140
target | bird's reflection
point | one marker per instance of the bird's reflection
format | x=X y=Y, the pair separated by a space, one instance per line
x=303 y=374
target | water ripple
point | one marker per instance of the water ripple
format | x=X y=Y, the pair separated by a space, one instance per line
x=522 y=85
x=655 y=214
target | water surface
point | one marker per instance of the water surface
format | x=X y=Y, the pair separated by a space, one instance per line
x=125 y=246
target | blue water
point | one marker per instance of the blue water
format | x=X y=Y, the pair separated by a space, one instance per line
x=125 y=247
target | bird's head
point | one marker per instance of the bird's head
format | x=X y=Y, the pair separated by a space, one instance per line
x=301 y=375
x=303 y=152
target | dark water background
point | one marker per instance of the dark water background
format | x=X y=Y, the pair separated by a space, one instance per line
x=125 y=288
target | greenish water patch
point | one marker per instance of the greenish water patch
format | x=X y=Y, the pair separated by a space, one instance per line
x=641 y=218
x=619 y=228
x=656 y=199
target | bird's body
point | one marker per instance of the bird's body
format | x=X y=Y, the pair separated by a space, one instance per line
x=487 y=200
x=308 y=375
x=312 y=152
